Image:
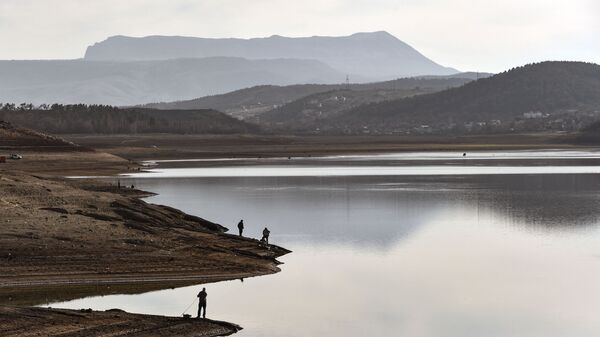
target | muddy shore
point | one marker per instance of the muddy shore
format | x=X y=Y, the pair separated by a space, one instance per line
x=162 y=146
x=85 y=323
x=62 y=239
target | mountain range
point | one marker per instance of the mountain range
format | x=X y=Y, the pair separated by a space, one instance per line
x=364 y=56
x=128 y=71
x=547 y=96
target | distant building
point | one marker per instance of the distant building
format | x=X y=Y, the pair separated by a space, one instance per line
x=423 y=129
x=532 y=115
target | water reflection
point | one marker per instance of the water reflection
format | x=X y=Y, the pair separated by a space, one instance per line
x=424 y=256
x=455 y=278
x=379 y=211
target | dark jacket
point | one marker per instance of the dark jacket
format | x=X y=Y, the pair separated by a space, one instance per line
x=202 y=296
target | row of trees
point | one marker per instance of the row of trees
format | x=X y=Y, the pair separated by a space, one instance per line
x=64 y=119
x=57 y=107
x=20 y=107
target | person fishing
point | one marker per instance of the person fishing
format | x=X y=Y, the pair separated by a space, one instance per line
x=202 y=303
x=265 y=237
x=241 y=226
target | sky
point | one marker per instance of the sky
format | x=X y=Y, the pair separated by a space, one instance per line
x=470 y=35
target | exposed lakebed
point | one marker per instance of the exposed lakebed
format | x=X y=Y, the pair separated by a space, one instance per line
x=413 y=244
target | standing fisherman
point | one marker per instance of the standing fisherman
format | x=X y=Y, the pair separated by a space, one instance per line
x=241 y=227
x=202 y=303
x=265 y=236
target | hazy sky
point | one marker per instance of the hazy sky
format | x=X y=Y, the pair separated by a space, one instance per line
x=483 y=35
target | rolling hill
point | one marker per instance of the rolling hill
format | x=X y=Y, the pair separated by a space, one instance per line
x=252 y=103
x=248 y=102
x=542 y=96
x=13 y=137
x=366 y=56
x=308 y=110
x=82 y=119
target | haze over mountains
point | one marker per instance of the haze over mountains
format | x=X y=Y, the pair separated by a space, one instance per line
x=127 y=71
x=367 y=56
x=542 y=97
x=297 y=85
x=129 y=83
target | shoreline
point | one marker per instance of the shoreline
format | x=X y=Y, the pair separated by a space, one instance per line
x=134 y=279
x=48 y=199
x=55 y=235
x=85 y=322
x=168 y=146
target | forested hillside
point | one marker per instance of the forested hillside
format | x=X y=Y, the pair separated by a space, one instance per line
x=80 y=118
x=543 y=96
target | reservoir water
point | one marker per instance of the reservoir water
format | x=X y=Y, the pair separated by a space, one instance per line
x=416 y=244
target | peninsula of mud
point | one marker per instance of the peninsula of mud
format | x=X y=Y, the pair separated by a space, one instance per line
x=66 y=238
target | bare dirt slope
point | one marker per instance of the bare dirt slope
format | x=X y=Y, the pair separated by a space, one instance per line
x=57 y=231
x=62 y=239
x=20 y=138
x=43 y=153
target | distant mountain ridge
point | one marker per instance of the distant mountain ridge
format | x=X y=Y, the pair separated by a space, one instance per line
x=126 y=71
x=368 y=56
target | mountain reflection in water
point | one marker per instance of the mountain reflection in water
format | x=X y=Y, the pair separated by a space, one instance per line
x=379 y=211
x=396 y=255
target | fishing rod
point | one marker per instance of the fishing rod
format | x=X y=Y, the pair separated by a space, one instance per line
x=189 y=306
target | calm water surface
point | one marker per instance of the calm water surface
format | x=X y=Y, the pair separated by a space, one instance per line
x=390 y=251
